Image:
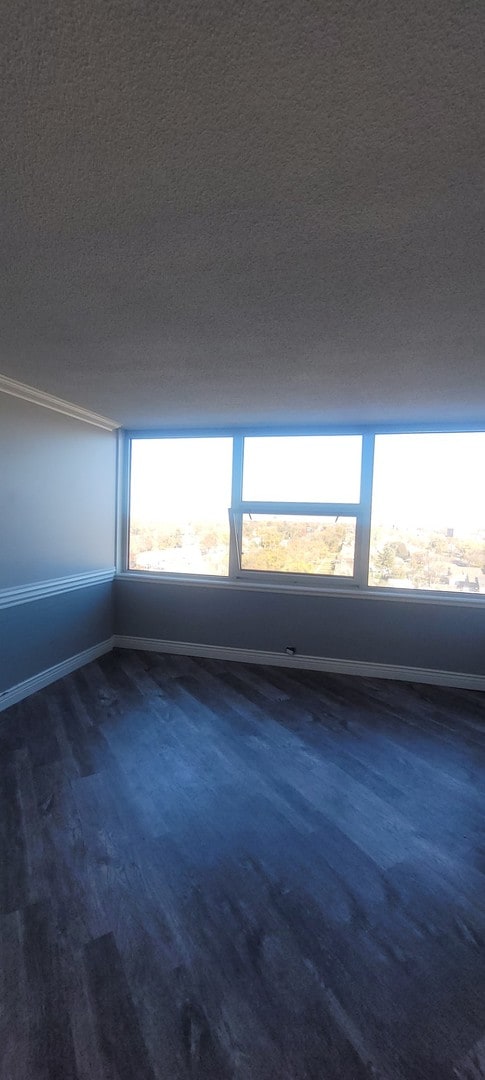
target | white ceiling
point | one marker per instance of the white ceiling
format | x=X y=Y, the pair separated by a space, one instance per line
x=244 y=210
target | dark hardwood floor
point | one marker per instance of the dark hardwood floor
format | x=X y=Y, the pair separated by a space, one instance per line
x=220 y=871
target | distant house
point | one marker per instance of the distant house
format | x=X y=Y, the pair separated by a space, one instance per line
x=468 y=586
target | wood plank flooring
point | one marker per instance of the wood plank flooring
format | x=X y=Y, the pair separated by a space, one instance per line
x=219 y=871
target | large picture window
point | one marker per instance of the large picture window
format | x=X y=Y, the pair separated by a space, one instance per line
x=296 y=502
x=361 y=510
x=179 y=494
x=428 y=512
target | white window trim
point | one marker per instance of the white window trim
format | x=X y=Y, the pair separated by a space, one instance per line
x=282 y=582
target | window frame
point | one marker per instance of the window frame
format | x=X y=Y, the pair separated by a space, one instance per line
x=240 y=507
x=277 y=581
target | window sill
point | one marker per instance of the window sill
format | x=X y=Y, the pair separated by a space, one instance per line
x=356 y=592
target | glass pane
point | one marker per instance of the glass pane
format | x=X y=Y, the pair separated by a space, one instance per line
x=298 y=545
x=306 y=468
x=180 y=494
x=428 y=512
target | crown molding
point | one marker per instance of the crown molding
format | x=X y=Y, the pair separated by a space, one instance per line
x=49 y=401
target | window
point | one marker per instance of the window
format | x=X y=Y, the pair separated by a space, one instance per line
x=364 y=510
x=298 y=545
x=180 y=492
x=297 y=510
x=428 y=512
x=302 y=468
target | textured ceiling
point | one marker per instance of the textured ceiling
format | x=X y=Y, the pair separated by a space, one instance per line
x=225 y=210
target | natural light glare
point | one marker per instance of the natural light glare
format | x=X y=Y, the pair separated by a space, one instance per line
x=187 y=475
x=306 y=468
x=180 y=495
x=428 y=512
x=430 y=479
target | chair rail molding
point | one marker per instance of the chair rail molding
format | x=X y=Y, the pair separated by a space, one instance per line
x=38 y=590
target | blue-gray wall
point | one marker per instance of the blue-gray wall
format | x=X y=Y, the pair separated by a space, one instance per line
x=57 y=494
x=37 y=635
x=57 y=519
x=379 y=630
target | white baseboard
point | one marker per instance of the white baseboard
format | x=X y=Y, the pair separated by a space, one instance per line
x=52 y=674
x=461 y=680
